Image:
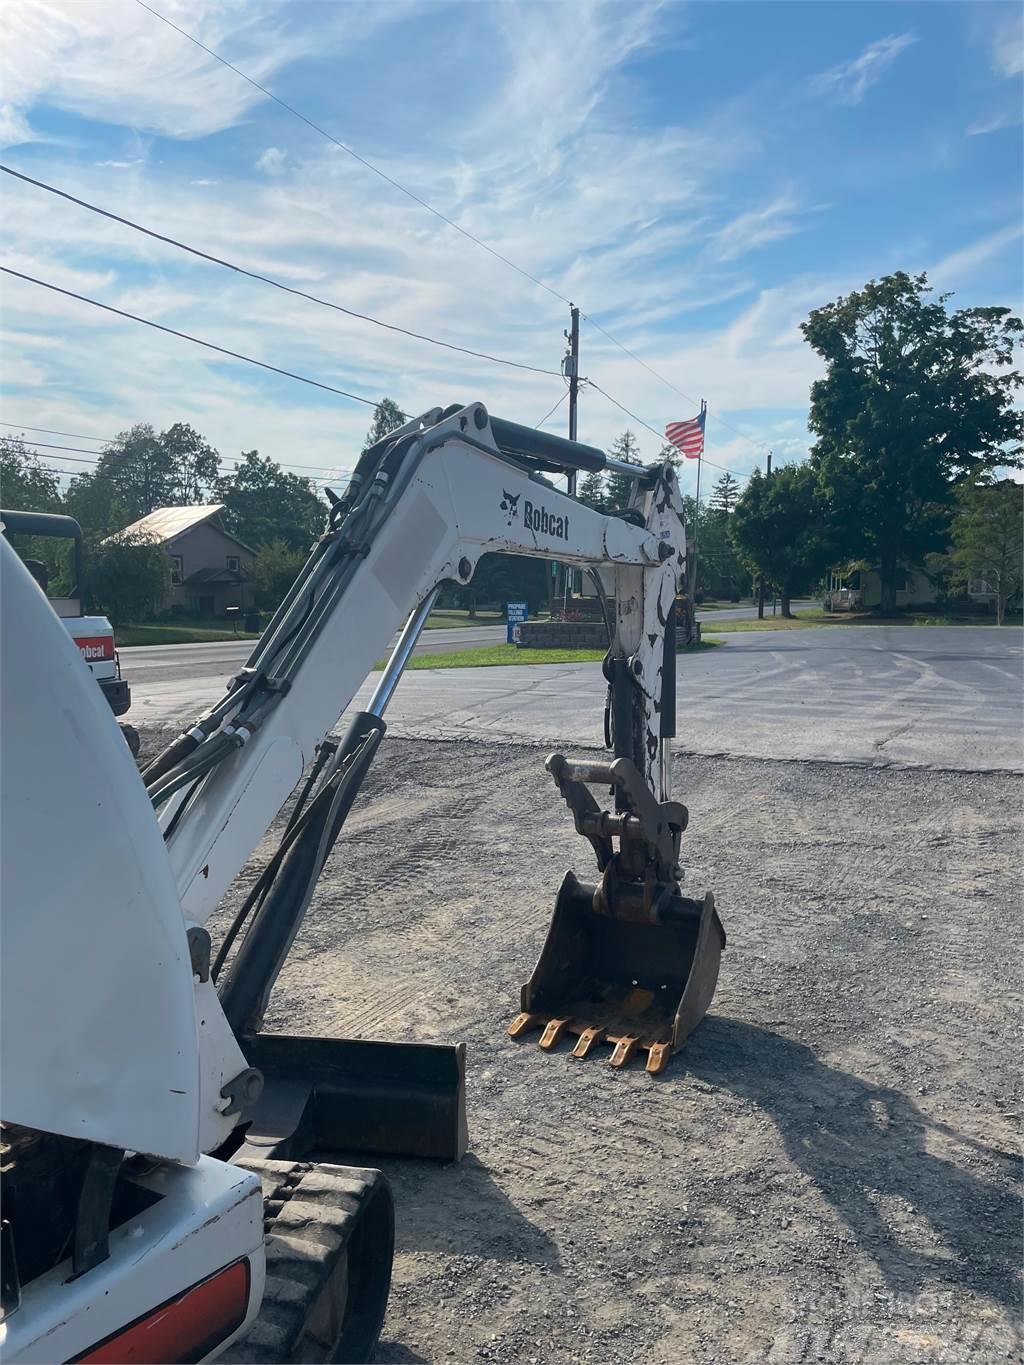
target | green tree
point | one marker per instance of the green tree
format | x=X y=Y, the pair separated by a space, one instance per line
x=501 y=578
x=193 y=462
x=26 y=484
x=128 y=577
x=592 y=491
x=387 y=417
x=263 y=503
x=781 y=527
x=273 y=571
x=620 y=486
x=915 y=400
x=988 y=539
x=725 y=493
x=139 y=469
x=96 y=504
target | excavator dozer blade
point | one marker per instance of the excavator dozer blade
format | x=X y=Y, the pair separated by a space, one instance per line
x=635 y=986
x=356 y=1095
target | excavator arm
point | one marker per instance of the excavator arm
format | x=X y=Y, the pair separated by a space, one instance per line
x=157 y=1072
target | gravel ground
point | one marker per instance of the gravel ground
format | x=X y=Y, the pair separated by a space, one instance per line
x=825 y=1173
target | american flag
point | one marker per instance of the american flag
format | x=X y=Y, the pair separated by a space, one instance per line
x=688 y=437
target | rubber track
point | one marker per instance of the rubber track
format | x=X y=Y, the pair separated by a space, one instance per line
x=311 y=1212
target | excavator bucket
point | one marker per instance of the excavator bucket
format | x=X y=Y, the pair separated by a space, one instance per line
x=630 y=961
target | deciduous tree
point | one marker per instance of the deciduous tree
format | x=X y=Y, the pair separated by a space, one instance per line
x=263 y=503
x=781 y=527
x=988 y=539
x=915 y=400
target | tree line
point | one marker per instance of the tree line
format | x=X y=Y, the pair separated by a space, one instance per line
x=913 y=419
x=914 y=416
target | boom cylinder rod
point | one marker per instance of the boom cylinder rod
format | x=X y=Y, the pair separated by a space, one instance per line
x=400 y=655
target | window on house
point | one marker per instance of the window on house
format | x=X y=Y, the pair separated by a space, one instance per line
x=177 y=568
x=233 y=563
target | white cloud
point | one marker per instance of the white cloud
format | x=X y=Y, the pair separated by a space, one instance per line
x=959 y=265
x=849 y=82
x=14 y=127
x=756 y=227
x=113 y=61
x=271 y=162
x=1010 y=118
x=1008 y=43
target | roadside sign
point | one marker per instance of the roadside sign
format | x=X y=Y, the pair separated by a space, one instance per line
x=515 y=614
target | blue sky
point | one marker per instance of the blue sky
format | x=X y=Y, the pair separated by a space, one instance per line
x=696 y=177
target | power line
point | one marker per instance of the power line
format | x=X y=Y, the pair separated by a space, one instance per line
x=660 y=435
x=550 y=411
x=760 y=445
x=266 y=279
x=436 y=212
x=112 y=440
x=186 y=336
x=74 y=459
x=350 y=151
x=49 y=431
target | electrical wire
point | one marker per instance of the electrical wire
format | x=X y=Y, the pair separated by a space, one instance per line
x=49 y=431
x=660 y=435
x=198 y=341
x=349 y=151
x=49 y=445
x=550 y=412
x=267 y=279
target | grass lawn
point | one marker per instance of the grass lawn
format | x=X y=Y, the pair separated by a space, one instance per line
x=447 y=620
x=177 y=634
x=488 y=656
x=208 y=632
x=801 y=620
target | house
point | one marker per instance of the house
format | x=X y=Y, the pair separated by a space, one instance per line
x=209 y=566
x=863 y=588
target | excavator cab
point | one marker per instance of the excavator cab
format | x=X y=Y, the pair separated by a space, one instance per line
x=630 y=961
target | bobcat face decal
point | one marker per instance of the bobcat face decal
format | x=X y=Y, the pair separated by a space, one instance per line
x=510 y=505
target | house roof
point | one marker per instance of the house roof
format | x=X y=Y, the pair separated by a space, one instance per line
x=166 y=523
x=213 y=576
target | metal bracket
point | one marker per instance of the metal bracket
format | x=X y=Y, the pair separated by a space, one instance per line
x=199 y=952
x=242 y=1091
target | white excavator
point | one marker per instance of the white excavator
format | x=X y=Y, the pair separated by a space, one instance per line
x=165 y=1191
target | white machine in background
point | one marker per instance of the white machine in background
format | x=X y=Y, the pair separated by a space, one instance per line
x=149 y=1125
x=93 y=635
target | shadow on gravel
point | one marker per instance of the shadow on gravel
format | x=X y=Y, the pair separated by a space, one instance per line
x=460 y=1211
x=394 y=1353
x=861 y=1143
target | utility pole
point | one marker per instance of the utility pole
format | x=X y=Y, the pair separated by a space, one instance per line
x=760 y=581
x=571 y=370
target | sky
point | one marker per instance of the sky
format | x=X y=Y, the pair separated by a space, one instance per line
x=696 y=177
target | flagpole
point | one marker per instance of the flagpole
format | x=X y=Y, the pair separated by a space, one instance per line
x=696 y=519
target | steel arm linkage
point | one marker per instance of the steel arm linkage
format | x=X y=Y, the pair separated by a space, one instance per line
x=422 y=508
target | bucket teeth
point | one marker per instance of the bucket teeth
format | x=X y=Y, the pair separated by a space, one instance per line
x=553 y=1033
x=588 y=1040
x=657 y=1057
x=523 y=1023
x=624 y=1049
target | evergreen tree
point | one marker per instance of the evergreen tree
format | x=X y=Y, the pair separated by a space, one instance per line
x=725 y=493
x=592 y=490
x=620 y=486
x=387 y=417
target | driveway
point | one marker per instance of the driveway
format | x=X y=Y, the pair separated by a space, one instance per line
x=946 y=697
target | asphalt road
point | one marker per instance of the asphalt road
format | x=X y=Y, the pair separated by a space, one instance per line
x=145 y=664
x=945 y=697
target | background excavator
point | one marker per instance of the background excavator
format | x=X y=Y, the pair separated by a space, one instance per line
x=165 y=1196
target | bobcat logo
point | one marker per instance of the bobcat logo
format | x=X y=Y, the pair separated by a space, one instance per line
x=510 y=504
